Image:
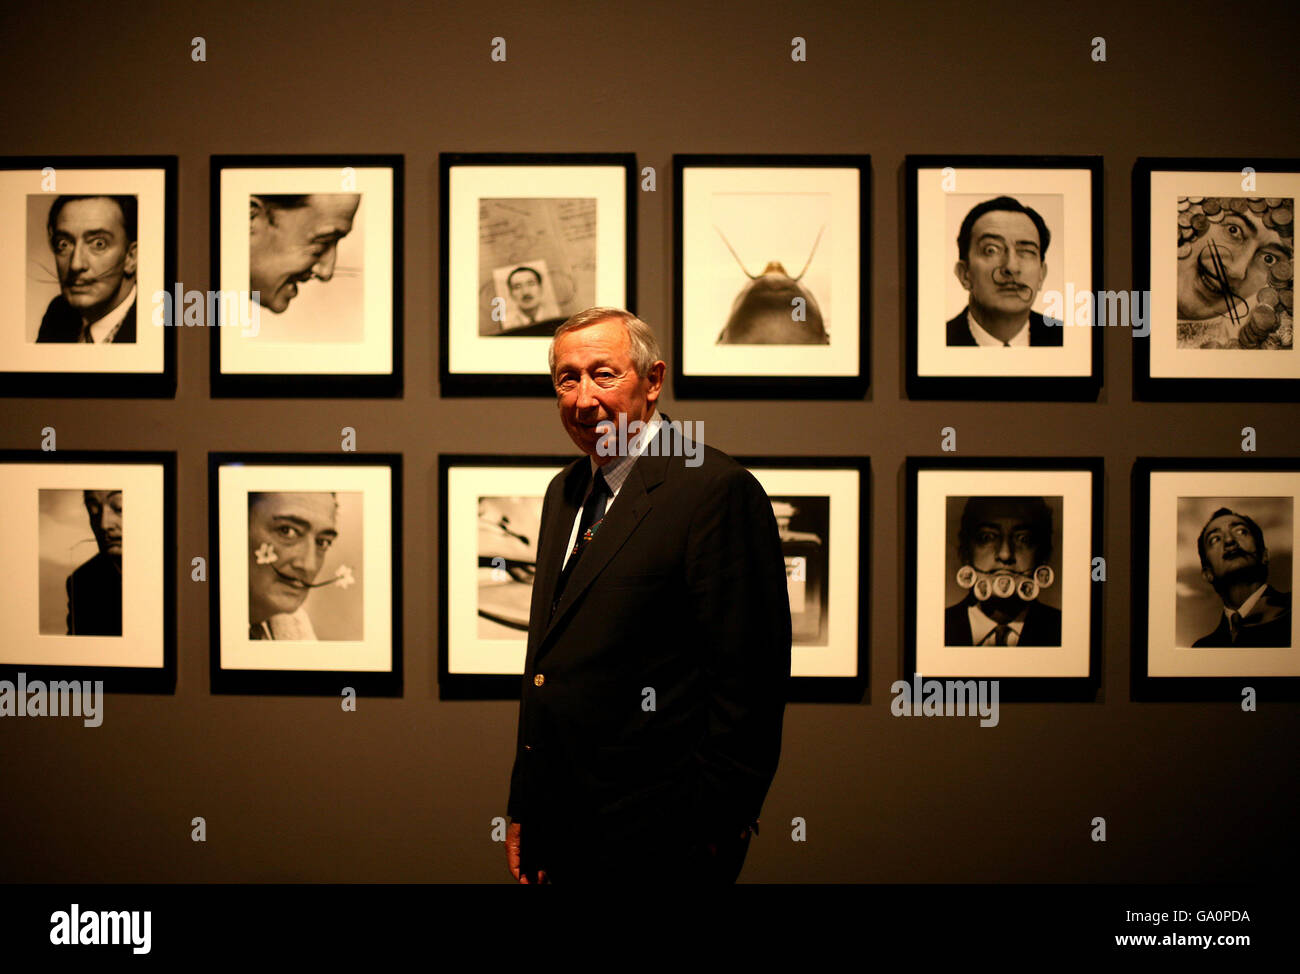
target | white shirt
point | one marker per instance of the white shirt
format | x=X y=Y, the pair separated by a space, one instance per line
x=1019 y=339
x=106 y=327
x=981 y=627
x=615 y=473
x=1247 y=605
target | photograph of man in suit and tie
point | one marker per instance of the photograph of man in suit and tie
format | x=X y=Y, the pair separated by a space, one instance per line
x=658 y=639
x=1004 y=548
x=86 y=600
x=1001 y=265
x=1234 y=562
x=92 y=240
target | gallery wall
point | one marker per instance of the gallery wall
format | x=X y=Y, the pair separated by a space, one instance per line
x=405 y=789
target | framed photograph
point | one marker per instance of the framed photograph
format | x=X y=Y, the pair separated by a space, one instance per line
x=489 y=518
x=1214 y=545
x=1004 y=263
x=92 y=259
x=1000 y=573
x=528 y=240
x=307 y=269
x=772 y=262
x=306 y=573
x=1214 y=255
x=90 y=545
x=823 y=514
x=490 y=512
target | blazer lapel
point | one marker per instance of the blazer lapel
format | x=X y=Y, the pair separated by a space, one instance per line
x=551 y=550
x=632 y=504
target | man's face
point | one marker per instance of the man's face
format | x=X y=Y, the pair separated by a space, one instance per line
x=95 y=261
x=595 y=381
x=299 y=529
x=525 y=291
x=104 y=508
x=1003 y=540
x=1230 y=548
x=289 y=246
x=1004 y=268
x=1247 y=250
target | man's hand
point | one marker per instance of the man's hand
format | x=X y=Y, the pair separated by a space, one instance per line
x=512 y=856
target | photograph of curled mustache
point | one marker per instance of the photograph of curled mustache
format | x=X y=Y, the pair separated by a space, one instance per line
x=1004 y=278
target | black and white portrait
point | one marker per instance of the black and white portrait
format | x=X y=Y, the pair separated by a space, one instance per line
x=83 y=257
x=1235 y=272
x=1235 y=562
x=90 y=265
x=1002 y=568
x=1003 y=257
x=305 y=551
x=306 y=260
x=537 y=263
x=307 y=568
x=306 y=263
x=81 y=543
x=507 y=563
x=1001 y=270
x=1000 y=565
x=803 y=523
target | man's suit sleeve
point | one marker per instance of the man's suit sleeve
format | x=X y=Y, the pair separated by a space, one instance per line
x=739 y=619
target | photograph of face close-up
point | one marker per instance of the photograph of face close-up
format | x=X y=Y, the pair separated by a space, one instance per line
x=88 y=255
x=1235 y=272
x=299 y=542
x=1004 y=571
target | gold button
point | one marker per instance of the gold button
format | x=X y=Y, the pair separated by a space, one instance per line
x=538 y=680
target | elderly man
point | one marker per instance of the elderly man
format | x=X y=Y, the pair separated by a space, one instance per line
x=94 y=243
x=1001 y=261
x=658 y=640
x=95 y=589
x=1234 y=561
x=293 y=239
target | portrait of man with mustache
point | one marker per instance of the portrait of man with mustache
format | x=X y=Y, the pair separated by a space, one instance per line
x=1234 y=561
x=93 y=239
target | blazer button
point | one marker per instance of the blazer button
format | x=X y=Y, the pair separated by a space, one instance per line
x=538 y=680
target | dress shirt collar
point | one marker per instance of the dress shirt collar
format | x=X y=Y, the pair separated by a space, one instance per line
x=106 y=327
x=1019 y=340
x=1249 y=604
x=617 y=470
x=981 y=625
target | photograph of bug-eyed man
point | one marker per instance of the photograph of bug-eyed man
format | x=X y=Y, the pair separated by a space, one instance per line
x=1001 y=265
x=294 y=239
x=1235 y=272
x=292 y=540
x=529 y=296
x=92 y=243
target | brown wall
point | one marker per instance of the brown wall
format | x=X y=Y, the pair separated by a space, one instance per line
x=404 y=789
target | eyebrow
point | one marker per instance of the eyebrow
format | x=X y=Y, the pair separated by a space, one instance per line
x=1254 y=227
x=1001 y=239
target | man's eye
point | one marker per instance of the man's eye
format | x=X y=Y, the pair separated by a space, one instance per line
x=605 y=377
x=62 y=247
x=1023 y=538
x=99 y=245
x=288 y=531
x=1269 y=259
x=985 y=537
x=1233 y=230
x=324 y=543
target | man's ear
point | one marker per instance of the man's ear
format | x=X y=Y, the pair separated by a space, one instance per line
x=1208 y=576
x=129 y=262
x=962 y=270
x=656 y=377
x=258 y=213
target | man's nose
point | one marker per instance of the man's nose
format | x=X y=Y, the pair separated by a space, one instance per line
x=1004 y=551
x=1236 y=261
x=80 y=257
x=324 y=268
x=586 y=393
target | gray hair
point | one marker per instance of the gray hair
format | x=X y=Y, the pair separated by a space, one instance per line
x=641 y=340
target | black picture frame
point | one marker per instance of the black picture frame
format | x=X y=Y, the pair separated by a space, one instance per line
x=305 y=682
x=518 y=384
x=160 y=384
x=1194 y=689
x=118 y=679
x=357 y=385
x=841 y=688
x=808 y=386
x=1012 y=688
x=1209 y=388
x=1041 y=387
x=463 y=685
x=474 y=685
